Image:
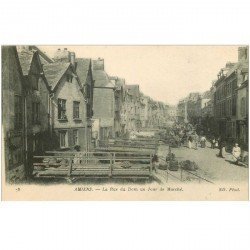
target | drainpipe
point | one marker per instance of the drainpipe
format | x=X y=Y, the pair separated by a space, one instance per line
x=26 y=133
x=50 y=110
x=86 y=126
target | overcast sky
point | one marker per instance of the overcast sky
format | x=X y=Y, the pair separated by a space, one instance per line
x=166 y=73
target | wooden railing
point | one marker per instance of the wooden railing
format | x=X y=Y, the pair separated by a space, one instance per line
x=129 y=143
x=93 y=164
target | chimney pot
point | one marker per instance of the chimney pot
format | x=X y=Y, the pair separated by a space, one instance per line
x=242 y=53
x=72 y=58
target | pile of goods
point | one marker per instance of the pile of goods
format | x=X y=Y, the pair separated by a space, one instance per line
x=126 y=164
x=172 y=163
x=163 y=166
x=189 y=165
x=174 y=142
x=170 y=157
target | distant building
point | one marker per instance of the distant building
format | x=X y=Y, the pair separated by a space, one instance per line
x=242 y=110
x=133 y=112
x=189 y=108
x=182 y=111
x=119 y=83
x=226 y=95
x=104 y=101
x=144 y=110
x=172 y=112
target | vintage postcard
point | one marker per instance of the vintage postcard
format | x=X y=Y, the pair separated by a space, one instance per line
x=125 y=122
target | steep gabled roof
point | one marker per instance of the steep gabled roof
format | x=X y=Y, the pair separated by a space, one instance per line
x=45 y=59
x=101 y=78
x=7 y=52
x=54 y=72
x=25 y=59
x=82 y=69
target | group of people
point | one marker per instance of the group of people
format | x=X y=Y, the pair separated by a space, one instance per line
x=236 y=150
x=186 y=134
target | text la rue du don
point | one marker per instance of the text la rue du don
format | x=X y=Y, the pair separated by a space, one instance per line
x=129 y=189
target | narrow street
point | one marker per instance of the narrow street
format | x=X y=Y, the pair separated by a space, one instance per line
x=211 y=167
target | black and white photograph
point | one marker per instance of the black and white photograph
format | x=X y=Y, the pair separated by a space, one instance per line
x=101 y=118
x=124 y=125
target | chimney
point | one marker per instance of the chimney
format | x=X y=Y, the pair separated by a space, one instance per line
x=229 y=65
x=72 y=58
x=242 y=54
x=61 y=55
x=98 y=64
x=22 y=48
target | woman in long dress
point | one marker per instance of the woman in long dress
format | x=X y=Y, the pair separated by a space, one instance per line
x=203 y=141
x=190 y=140
x=236 y=152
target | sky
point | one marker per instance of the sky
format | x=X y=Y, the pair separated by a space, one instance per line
x=165 y=73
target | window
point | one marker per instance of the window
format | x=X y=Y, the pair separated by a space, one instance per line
x=75 y=137
x=35 y=112
x=243 y=106
x=18 y=112
x=76 y=106
x=234 y=106
x=69 y=78
x=233 y=130
x=230 y=107
x=62 y=109
x=63 y=139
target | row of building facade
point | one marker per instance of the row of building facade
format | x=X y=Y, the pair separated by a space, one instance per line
x=223 y=109
x=64 y=103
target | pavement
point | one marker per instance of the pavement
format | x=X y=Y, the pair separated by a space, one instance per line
x=211 y=167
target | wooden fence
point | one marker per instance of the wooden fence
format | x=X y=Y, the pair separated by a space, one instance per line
x=93 y=164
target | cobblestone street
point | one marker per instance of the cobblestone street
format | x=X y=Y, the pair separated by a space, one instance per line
x=211 y=167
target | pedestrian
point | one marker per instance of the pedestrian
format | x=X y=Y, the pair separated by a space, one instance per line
x=183 y=139
x=213 y=141
x=196 y=140
x=190 y=140
x=203 y=141
x=216 y=145
x=236 y=152
x=77 y=156
x=155 y=162
x=222 y=148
